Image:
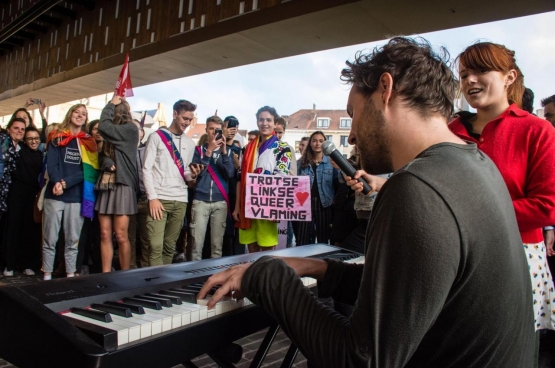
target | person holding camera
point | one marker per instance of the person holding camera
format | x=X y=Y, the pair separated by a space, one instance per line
x=215 y=166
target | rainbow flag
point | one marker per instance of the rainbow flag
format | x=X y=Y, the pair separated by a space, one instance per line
x=89 y=158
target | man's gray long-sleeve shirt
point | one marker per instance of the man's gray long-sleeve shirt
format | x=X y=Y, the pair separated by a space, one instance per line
x=445 y=281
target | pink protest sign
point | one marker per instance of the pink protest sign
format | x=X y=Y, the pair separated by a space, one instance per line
x=275 y=197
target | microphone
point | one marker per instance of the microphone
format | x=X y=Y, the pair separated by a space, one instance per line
x=330 y=150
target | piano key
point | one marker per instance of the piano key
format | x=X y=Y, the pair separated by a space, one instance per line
x=219 y=307
x=133 y=326
x=198 y=312
x=185 y=296
x=156 y=321
x=97 y=315
x=165 y=318
x=164 y=302
x=112 y=309
x=123 y=332
x=151 y=304
x=145 y=327
x=134 y=308
x=104 y=337
x=174 y=299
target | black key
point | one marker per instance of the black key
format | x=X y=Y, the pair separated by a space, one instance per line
x=197 y=289
x=174 y=299
x=192 y=287
x=117 y=310
x=104 y=337
x=89 y=313
x=150 y=304
x=185 y=296
x=134 y=308
x=163 y=301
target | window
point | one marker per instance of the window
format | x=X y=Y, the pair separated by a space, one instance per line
x=329 y=138
x=345 y=123
x=344 y=140
x=323 y=123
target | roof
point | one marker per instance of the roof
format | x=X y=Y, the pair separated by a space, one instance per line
x=151 y=113
x=195 y=131
x=307 y=119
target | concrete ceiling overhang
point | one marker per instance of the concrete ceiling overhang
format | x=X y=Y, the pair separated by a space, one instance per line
x=292 y=28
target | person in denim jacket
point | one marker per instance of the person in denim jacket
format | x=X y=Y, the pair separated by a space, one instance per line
x=323 y=183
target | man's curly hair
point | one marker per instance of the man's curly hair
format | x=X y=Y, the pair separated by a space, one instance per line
x=421 y=78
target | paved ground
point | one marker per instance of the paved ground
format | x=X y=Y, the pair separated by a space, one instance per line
x=250 y=343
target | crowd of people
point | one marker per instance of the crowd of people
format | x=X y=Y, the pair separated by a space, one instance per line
x=466 y=204
x=78 y=192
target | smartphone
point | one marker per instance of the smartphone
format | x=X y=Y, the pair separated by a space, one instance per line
x=232 y=123
x=36 y=101
x=219 y=134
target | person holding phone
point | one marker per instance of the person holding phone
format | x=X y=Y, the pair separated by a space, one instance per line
x=215 y=167
x=166 y=174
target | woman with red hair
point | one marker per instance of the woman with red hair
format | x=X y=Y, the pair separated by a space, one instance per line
x=521 y=145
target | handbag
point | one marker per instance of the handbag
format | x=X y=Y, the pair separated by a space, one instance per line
x=106 y=181
x=39 y=204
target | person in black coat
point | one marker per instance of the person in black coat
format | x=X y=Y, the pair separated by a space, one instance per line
x=21 y=235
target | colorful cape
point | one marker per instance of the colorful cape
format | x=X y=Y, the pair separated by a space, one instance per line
x=89 y=160
x=248 y=164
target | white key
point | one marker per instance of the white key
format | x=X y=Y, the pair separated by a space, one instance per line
x=358 y=260
x=219 y=307
x=123 y=332
x=144 y=325
x=156 y=322
x=185 y=313
x=198 y=312
x=165 y=319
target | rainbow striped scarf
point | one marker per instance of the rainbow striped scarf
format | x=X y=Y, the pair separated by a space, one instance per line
x=89 y=160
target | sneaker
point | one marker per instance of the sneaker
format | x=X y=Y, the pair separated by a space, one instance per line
x=29 y=272
x=178 y=258
x=7 y=273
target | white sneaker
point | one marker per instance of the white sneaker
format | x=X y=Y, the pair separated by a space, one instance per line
x=29 y=272
x=7 y=273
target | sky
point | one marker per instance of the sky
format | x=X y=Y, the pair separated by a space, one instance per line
x=298 y=82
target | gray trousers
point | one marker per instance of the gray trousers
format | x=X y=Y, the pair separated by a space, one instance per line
x=201 y=213
x=52 y=220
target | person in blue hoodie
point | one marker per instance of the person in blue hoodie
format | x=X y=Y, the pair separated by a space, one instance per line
x=215 y=166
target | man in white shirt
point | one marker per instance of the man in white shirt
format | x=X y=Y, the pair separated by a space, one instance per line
x=166 y=172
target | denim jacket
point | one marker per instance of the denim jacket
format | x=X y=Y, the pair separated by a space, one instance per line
x=327 y=179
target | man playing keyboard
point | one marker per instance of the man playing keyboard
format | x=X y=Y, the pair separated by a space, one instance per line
x=445 y=281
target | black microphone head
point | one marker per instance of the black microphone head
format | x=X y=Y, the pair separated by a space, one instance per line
x=328 y=147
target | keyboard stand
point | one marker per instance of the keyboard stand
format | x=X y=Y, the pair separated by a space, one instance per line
x=290 y=357
x=265 y=346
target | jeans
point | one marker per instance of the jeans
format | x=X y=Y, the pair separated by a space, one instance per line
x=202 y=212
x=52 y=220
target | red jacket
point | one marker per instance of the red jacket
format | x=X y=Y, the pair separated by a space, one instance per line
x=523 y=148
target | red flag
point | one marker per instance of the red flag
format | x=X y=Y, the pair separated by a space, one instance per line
x=123 y=85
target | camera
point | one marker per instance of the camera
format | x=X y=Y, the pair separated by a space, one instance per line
x=219 y=134
x=36 y=101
